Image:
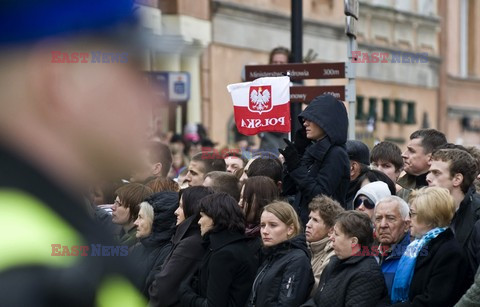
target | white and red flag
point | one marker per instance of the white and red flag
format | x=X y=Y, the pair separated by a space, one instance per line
x=262 y=105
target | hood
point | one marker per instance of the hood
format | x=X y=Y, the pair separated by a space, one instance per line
x=164 y=205
x=331 y=115
x=375 y=191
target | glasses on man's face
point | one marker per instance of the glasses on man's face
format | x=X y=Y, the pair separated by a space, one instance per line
x=366 y=202
x=118 y=203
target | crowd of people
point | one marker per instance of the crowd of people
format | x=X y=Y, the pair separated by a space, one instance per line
x=327 y=222
x=317 y=221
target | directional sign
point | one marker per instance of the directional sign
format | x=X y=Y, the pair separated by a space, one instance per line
x=297 y=71
x=306 y=94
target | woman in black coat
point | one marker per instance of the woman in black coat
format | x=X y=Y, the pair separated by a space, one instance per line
x=187 y=251
x=228 y=267
x=353 y=277
x=434 y=258
x=155 y=227
x=256 y=193
x=285 y=278
x=317 y=162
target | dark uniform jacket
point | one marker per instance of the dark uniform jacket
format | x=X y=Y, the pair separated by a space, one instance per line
x=36 y=213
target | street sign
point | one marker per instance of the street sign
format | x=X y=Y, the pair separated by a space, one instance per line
x=297 y=71
x=306 y=94
x=173 y=85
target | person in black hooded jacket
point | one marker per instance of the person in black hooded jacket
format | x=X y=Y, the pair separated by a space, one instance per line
x=317 y=162
x=155 y=227
x=285 y=277
x=187 y=251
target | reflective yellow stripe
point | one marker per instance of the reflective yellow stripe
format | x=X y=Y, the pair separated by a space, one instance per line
x=117 y=291
x=28 y=229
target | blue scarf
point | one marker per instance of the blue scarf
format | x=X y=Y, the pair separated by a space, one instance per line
x=406 y=266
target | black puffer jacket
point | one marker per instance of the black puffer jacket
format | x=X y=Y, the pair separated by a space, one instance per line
x=151 y=251
x=356 y=281
x=285 y=278
x=325 y=166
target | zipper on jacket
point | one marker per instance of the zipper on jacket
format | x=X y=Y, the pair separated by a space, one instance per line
x=254 y=290
x=290 y=282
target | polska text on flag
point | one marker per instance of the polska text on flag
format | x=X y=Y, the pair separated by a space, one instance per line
x=262 y=105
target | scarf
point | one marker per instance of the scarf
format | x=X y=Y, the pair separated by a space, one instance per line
x=403 y=276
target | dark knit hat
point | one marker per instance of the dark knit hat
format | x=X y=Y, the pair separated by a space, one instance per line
x=358 y=151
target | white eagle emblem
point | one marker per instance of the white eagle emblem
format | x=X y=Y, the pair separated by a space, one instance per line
x=260 y=99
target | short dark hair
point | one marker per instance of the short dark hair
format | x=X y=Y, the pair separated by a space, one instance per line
x=224 y=211
x=191 y=197
x=475 y=152
x=131 y=195
x=373 y=175
x=357 y=224
x=327 y=208
x=225 y=182
x=431 y=139
x=270 y=167
x=236 y=153
x=259 y=191
x=389 y=152
x=159 y=152
x=211 y=161
x=461 y=162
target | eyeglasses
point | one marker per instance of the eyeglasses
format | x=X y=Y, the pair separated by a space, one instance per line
x=366 y=202
x=412 y=214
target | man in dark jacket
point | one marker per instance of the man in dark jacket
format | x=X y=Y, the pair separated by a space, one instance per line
x=417 y=159
x=317 y=162
x=455 y=170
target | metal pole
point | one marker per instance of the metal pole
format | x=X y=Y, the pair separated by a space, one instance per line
x=297 y=53
x=351 y=87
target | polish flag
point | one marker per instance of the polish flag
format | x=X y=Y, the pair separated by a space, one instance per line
x=262 y=105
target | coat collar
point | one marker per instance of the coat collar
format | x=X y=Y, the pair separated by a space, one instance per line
x=221 y=238
x=324 y=245
x=185 y=227
x=413 y=182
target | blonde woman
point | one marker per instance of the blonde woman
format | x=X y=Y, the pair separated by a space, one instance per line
x=285 y=277
x=432 y=270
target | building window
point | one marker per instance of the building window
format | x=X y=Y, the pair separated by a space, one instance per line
x=398 y=111
x=411 y=113
x=372 y=108
x=386 y=110
x=360 y=115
